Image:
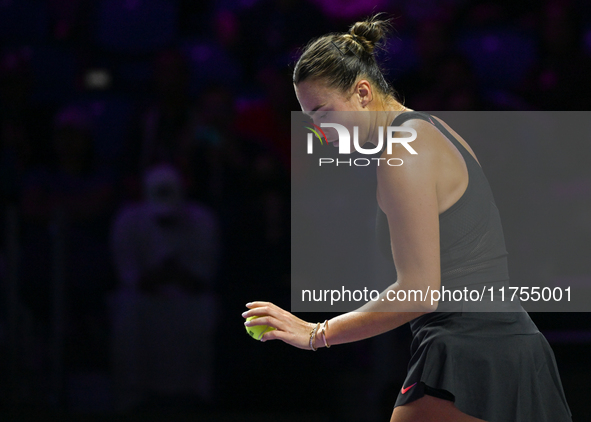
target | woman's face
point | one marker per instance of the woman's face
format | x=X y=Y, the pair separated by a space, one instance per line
x=329 y=105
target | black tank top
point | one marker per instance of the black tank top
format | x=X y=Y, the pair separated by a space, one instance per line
x=472 y=244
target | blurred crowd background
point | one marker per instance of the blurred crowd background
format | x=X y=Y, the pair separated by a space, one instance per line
x=145 y=185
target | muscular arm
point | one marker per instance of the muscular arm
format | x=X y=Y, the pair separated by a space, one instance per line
x=408 y=196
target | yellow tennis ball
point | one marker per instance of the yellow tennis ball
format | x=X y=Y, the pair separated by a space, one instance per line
x=257 y=331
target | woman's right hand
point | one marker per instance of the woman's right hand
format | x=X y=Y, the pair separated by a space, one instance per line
x=289 y=328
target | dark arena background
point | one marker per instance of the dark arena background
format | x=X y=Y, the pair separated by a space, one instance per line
x=145 y=197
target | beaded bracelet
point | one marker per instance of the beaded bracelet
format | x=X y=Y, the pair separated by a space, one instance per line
x=313 y=336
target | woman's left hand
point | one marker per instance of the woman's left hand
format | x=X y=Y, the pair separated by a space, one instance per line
x=289 y=328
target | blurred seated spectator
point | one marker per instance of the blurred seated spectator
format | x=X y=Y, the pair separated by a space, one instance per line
x=163 y=311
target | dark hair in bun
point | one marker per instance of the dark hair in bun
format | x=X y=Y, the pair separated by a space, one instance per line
x=340 y=58
x=370 y=33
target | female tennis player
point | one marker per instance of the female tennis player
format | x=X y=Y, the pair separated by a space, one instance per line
x=438 y=220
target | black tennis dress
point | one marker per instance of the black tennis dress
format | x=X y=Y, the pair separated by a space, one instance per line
x=493 y=365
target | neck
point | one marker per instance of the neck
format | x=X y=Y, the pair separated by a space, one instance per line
x=383 y=118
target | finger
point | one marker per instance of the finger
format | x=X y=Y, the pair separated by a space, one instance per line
x=266 y=305
x=267 y=309
x=266 y=320
x=261 y=320
x=253 y=312
x=257 y=304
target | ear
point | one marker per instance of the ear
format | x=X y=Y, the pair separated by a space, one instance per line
x=363 y=92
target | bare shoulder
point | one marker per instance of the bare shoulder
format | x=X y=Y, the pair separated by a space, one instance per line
x=407 y=194
x=411 y=170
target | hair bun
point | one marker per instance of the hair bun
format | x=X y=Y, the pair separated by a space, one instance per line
x=370 y=32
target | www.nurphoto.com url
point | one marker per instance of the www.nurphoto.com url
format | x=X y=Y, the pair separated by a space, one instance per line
x=523 y=293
